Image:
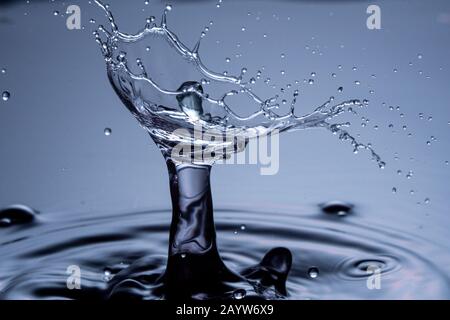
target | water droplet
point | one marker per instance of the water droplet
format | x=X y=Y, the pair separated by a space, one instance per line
x=183 y=255
x=3 y=71
x=313 y=74
x=107 y=275
x=338 y=208
x=311 y=81
x=55 y=13
x=107 y=131
x=6 y=95
x=419 y=56
x=340 y=89
x=16 y=214
x=239 y=294
x=227 y=59
x=313 y=272
x=243 y=227
x=427 y=200
x=169 y=7
x=357 y=82
x=394 y=190
x=283 y=56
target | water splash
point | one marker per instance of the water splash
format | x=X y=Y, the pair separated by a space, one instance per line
x=160 y=121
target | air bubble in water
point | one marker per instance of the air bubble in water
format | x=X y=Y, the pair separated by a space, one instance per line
x=107 y=131
x=239 y=294
x=313 y=272
x=6 y=95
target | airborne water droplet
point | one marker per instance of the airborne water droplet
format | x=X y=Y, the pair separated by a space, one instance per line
x=6 y=95
x=313 y=272
x=107 y=131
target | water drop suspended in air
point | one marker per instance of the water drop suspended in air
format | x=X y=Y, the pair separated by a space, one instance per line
x=313 y=272
x=6 y=95
x=107 y=131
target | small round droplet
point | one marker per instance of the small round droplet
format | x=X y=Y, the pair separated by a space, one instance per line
x=243 y=227
x=55 y=13
x=394 y=190
x=419 y=56
x=3 y=71
x=168 y=7
x=6 y=95
x=427 y=200
x=107 y=131
x=313 y=272
x=183 y=255
x=239 y=294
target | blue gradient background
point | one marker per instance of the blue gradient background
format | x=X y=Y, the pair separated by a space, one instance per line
x=55 y=157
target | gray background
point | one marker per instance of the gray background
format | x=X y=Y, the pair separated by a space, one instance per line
x=55 y=157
